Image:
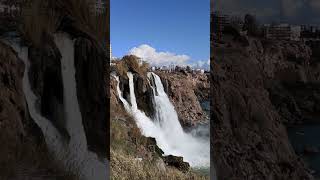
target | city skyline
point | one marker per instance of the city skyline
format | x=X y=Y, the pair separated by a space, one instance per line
x=279 y=11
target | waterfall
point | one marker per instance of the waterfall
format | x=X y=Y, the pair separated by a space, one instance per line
x=71 y=105
x=144 y=123
x=166 y=128
x=52 y=136
x=132 y=96
x=74 y=155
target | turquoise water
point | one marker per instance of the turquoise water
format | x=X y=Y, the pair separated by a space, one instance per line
x=205 y=105
x=306 y=135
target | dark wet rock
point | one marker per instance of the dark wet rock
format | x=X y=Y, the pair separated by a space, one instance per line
x=90 y=65
x=177 y=162
x=46 y=82
x=144 y=94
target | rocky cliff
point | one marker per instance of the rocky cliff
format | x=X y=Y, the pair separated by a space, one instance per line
x=23 y=152
x=185 y=90
x=15 y=122
x=25 y=149
x=249 y=139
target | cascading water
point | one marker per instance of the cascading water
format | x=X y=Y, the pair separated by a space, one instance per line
x=74 y=155
x=196 y=151
x=166 y=128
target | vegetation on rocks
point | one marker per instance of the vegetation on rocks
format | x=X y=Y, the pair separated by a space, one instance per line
x=131 y=63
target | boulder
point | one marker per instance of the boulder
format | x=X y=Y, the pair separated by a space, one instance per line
x=177 y=162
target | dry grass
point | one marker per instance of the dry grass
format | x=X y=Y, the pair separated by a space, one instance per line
x=126 y=167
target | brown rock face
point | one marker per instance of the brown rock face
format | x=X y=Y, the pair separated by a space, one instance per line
x=249 y=140
x=185 y=92
x=16 y=126
x=144 y=94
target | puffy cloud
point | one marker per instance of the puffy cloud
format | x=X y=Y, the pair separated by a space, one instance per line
x=155 y=58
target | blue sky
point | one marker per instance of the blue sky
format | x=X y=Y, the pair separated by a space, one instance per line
x=172 y=30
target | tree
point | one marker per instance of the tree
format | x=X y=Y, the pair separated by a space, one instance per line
x=188 y=69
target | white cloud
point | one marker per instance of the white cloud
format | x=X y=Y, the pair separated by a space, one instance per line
x=155 y=58
x=201 y=64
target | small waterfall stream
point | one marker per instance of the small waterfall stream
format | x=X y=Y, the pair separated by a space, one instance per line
x=74 y=154
x=166 y=127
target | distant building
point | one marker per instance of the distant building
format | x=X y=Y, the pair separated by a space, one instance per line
x=218 y=22
x=198 y=71
x=7 y=9
x=98 y=6
x=110 y=49
x=295 y=33
x=310 y=33
x=282 y=32
x=279 y=32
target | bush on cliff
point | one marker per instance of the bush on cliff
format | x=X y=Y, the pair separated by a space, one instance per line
x=131 y=63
